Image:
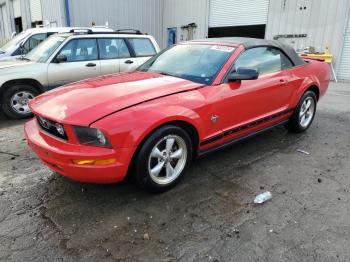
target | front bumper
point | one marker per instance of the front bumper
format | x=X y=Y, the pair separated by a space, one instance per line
x=59 y=155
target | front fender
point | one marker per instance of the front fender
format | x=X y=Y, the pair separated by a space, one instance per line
x=128 y=128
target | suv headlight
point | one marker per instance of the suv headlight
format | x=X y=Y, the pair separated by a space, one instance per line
x=91 y=136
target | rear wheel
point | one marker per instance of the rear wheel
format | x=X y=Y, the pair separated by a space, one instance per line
x=163 y=159
x=15 y=100
x=304 y=113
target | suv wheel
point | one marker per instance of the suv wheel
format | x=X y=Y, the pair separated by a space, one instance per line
x=15 y=100
x=163 y=159
x=304 y=113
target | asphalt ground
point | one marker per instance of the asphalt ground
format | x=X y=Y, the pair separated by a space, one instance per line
x=209 y=216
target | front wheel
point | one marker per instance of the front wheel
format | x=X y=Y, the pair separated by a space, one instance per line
x=15 y=101
x=163 y=159
x=304 y=113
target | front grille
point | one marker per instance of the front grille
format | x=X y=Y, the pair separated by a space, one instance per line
x=50 y=127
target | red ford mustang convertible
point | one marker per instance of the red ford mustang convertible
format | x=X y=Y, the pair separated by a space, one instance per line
x=190 y=99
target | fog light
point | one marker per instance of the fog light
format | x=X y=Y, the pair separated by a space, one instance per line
x=99 y=162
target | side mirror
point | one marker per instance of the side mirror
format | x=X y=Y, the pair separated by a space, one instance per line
x=243 y=73
x=61 y=58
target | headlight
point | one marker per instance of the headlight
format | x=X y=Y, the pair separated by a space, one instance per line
x=91 y=136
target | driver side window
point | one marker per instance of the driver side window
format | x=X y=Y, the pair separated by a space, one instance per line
x=80 y=50
x=265 y=59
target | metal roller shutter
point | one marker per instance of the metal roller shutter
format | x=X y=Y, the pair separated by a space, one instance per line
x=35 y=10
x=344 y=66
x=238 y=12
x=16 y=4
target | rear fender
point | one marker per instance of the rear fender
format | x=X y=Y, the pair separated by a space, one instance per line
x=309 y=82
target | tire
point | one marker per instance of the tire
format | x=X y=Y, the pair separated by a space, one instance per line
x=15 y=100
x=297 y=122
x=151 y=170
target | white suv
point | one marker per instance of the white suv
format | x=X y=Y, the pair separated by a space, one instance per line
x=27 y=40
x=69 y=57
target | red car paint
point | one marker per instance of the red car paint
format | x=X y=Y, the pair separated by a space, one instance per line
x=128 y=107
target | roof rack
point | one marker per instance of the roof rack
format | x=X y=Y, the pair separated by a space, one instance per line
x=129 y=31
x=120 y=31
x=81 y=31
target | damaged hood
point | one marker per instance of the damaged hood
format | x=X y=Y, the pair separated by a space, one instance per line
x=84 y=102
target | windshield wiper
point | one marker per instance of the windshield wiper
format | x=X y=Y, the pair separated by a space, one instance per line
x=168 y=74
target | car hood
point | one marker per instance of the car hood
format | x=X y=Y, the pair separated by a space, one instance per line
x=84 y=102
x=11 y=62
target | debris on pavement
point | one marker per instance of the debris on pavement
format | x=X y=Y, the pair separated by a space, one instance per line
x=146 y=236
x=262 y=197
x=303 y=152
x=319 y=180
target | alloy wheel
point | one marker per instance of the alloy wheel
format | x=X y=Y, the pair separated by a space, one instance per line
x=307 y=112
x=167 y=159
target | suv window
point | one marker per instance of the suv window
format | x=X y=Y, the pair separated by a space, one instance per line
x=80 y=50
x=142 y=46
x=264 y=59
x=33 y=42
x=112 y=48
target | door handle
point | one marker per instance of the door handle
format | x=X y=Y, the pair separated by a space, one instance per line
x=129 y=62
x=90 y=65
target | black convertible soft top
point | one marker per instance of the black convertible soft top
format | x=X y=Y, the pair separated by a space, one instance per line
x=256 y=42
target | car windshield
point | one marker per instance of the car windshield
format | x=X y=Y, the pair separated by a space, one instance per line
x=195 y=62
x=44 y=50
x=10 y=45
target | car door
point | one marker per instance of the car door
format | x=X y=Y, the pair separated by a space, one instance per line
x=81 y=62
x=143 y=49
x=250 y=105
x=114 y=53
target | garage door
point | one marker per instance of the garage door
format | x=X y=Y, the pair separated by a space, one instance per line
x=238 y=12
x=344 y=66
x=35 y=11
x=16 y=4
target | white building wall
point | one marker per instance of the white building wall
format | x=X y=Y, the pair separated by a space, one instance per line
x=322 y=20
x=144 y=15
x=5 y=26
x=177 y=13
x=53 y=12
x=8 y=25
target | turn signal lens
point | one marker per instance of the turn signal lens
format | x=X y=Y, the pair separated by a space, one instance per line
x=84 y=162
x=105 y=161
x=99 y=162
